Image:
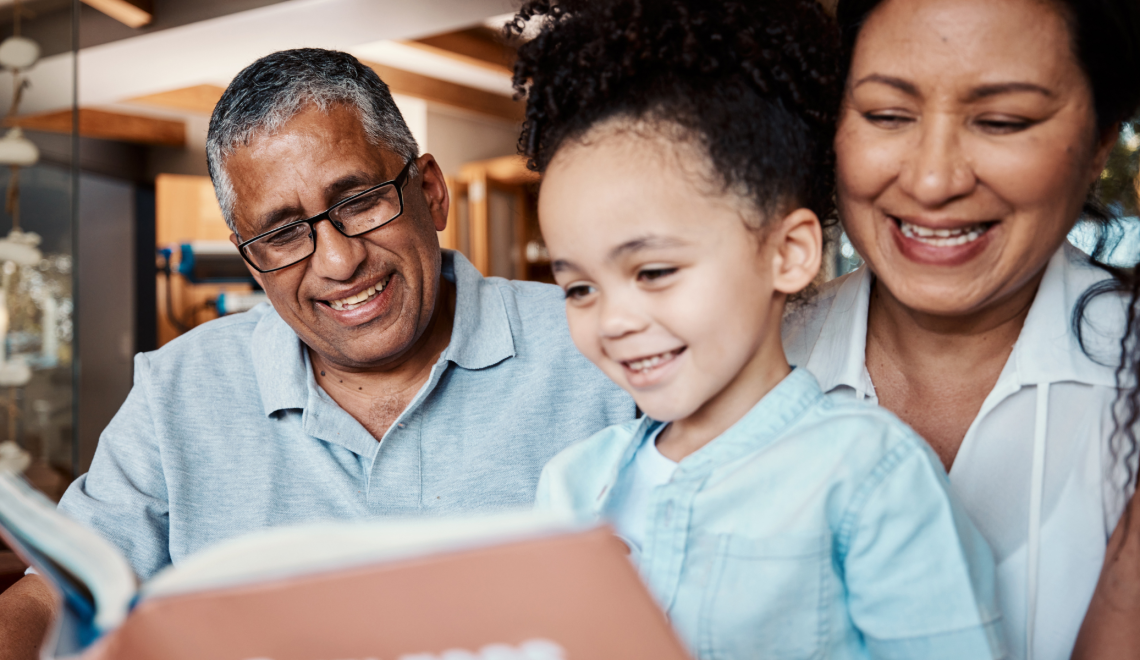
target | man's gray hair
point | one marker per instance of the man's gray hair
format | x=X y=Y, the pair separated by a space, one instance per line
x=269 y=92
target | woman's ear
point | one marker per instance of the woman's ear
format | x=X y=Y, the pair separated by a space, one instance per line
x=796 y=242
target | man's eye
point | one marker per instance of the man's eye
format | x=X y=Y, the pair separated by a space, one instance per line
x=288 y=236
x=653 y=274
x=578 y=291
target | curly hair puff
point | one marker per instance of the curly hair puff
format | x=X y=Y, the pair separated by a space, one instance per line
x=756 y=84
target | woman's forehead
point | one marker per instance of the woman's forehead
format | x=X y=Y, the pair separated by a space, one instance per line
x=940 y=39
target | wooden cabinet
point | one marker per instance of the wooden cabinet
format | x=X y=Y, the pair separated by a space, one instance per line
x=494 y=219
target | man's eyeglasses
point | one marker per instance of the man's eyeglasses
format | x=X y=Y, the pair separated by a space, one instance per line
x=288 y=244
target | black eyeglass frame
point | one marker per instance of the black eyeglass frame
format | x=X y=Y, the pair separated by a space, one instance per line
x=399 y=182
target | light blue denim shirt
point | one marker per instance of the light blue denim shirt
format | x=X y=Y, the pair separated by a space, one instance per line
x=226 y=430
x=812 y=528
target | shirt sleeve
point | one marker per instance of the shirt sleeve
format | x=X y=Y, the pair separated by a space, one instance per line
x=123 y=496
x=920 y=577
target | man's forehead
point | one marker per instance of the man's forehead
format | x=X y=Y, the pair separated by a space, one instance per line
x=314 y=156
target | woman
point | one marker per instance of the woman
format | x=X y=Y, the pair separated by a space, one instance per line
x=971 y=134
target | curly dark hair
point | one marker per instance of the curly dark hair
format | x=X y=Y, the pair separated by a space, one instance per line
x=754 y=84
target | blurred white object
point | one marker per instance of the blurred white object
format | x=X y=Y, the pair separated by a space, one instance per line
x=20 y=248
x=12 y=458
x=15 y=149
x=18 y=53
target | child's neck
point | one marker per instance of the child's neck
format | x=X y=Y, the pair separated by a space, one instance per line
x=760 y=375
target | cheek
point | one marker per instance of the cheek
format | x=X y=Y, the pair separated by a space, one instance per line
x=584 y=332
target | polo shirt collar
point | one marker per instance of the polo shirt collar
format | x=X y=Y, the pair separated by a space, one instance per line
x=1046 y=351
x=480 y=337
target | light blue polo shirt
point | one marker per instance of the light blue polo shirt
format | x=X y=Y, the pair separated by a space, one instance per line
x=226 y=430
x=812 y=528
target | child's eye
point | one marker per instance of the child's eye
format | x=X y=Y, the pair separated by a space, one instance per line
x=578 y=291
x=652 y=274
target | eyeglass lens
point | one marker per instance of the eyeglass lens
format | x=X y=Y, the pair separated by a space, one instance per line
x=357 y=215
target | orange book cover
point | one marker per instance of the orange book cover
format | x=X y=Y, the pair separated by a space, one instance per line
x=565 y=596
x=504 y=586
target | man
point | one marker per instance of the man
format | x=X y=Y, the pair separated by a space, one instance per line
x=388 y=378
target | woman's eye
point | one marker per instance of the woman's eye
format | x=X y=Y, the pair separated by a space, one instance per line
x=578 y=291
x=652 y=274
x=1003 y=126
x=887 y=119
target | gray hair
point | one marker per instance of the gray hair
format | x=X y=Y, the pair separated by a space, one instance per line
x=269 y=92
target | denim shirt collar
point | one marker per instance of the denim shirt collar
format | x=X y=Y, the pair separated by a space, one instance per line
x=481 y=337
x=766 y=422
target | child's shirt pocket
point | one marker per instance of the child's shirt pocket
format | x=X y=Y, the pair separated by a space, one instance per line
x=767 y=597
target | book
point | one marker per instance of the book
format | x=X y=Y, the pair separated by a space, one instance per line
x=503 y=586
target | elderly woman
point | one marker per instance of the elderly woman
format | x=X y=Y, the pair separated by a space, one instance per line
x=971 y=136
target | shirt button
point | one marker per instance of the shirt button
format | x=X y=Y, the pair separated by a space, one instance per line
x=400 y=425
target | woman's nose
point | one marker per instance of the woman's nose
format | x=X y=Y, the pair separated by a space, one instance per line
x=937 y=169
x=336 y=257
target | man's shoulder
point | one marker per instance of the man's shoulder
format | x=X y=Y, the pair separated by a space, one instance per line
x=220 y=344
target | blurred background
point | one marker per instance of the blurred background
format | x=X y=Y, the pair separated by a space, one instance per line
x=111 y=240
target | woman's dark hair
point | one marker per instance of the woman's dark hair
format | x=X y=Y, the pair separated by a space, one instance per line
x=754 y=84
x=1106 y=42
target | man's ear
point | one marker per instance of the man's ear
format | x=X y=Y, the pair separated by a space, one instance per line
x=435 y=190
x=252 y=271
x=797 y=251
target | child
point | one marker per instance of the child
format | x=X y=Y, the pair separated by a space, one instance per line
x=684 y=146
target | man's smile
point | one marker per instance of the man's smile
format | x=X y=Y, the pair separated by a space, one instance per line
x=355 y=300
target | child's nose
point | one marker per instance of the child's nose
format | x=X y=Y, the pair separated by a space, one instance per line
x=620 y=316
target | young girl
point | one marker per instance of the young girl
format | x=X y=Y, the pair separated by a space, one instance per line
x=684 y=146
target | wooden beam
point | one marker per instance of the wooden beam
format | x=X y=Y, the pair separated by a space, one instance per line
x=133 y=13
x=449 y=93
x=477 y=46
x=199 y=98
x=108 y=126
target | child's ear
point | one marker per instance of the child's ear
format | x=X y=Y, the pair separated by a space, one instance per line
x=797 y=245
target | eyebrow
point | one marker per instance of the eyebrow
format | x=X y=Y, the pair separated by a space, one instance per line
x=287 y=214
x=986 y=91
x=644 y=243
x=635 y=245
x=976 y=94
x=903 y=86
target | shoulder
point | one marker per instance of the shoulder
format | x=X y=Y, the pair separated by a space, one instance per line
x=579 y=472
x=870 y=441
x=221 y=345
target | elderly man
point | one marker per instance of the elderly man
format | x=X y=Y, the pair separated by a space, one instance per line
x=387 y=378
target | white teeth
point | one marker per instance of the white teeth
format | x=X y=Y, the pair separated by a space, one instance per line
x=943 y=237
x=648 y=363
x=352 y=302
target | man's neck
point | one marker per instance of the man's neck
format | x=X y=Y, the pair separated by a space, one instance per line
x=377 y=397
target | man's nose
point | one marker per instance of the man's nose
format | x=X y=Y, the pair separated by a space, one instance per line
x=620 y=316
x=937 y=170
x=337 y=257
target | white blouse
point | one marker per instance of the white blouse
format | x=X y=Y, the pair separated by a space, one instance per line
x=1033 y=469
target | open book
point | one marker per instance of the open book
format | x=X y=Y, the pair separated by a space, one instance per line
x=508 y=586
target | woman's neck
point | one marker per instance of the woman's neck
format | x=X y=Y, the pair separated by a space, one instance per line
x=934 y=372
